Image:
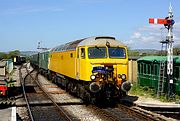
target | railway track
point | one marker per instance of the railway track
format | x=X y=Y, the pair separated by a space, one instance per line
x=142 y=114
x=124 y=113
x=52 y=112
x=45 y=102
x=153 y=111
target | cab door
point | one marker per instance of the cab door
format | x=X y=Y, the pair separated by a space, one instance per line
x=77 y=72
x=80 y=56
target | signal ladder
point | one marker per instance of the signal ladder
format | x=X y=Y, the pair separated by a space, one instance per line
x=162 y=69
x=161 y=79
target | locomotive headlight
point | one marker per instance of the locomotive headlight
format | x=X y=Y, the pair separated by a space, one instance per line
x=119 y=75
x=123 y=76
x=93 y=77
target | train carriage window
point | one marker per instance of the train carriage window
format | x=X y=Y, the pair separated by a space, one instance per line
x=42 y=56
x=155 y=69
x=149 y=69
x=83 y=53
x=176 y=72
x=144 y=66
x=139 y=68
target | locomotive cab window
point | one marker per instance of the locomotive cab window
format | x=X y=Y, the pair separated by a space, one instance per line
x=83 y=53
x=117 y=52
x=97 y=52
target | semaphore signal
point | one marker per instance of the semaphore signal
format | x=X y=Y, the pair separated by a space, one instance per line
x=161 y=21
x=168 y=23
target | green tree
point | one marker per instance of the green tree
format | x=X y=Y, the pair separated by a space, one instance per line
x=14 y=53
x=3 y=55
x=133 y=53
x=176 y=51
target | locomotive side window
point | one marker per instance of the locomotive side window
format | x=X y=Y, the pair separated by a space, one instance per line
x=71 y=55
x=117 y=52
x=78 y=53
x=97 y=52
x=83 y=53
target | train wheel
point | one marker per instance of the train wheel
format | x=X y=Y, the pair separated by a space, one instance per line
x=73 y=88
x=87 y=97
x=53 y=79
x=78 y=90
x=68 y=86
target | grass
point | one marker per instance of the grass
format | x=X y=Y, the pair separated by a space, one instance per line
x=149 y=92
x=142 y=91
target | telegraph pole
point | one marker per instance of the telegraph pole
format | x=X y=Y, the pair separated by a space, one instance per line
x=41 y=48
x=168 y=23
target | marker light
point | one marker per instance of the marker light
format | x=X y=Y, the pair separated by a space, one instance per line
x=123 y=76
x=93 y=77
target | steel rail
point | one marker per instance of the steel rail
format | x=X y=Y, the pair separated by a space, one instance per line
x=59 y=108
x=105 y=113
x=22 y=81
x=142 y=114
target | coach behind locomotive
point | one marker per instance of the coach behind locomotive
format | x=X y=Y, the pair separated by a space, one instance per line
x=95 y=68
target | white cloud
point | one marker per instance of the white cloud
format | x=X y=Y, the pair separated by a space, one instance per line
x=136 y=35
x=148 y=39
x=177 y=24
x=151 y=35
x=129 y=42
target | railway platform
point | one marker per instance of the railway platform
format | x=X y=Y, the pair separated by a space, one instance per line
x=149 y=102
x=168 y=109
x=8 y=114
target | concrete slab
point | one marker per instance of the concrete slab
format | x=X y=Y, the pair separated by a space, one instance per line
x=8 y=114
x=149 y=102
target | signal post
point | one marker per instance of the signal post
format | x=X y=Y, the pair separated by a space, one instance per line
x=168 y=23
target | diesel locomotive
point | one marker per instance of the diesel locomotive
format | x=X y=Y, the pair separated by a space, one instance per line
x=93 y=68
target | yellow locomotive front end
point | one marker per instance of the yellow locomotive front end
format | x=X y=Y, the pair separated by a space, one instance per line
x=105 y=67
x=93 y=68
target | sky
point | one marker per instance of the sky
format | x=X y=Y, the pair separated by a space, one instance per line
x=24 y=23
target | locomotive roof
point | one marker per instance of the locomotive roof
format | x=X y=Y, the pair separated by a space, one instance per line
x=91 y=41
